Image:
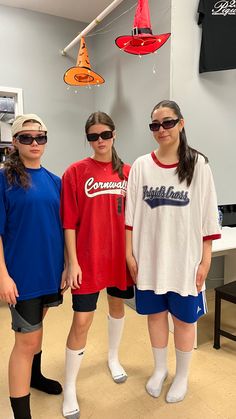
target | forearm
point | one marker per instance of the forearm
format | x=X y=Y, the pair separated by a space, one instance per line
x=8 y=289
x=66 y=258
x=130 y=259
x=70 y=246
x=129 y=235
x=206 y=254
x=3 y=268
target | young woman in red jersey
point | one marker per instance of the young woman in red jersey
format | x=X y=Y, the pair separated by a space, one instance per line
x=93 y=198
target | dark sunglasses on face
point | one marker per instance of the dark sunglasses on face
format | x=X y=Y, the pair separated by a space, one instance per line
x=169 y=123
x=28 y=139
x=105 y=135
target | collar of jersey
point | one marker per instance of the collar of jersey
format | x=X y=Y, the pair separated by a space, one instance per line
x=160 y=164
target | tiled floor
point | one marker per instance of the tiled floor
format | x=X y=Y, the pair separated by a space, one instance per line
x=212 y=383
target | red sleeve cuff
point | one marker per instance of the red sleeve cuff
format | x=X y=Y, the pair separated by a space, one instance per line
x=69 y=227
x=128 y=227
x=212 y=237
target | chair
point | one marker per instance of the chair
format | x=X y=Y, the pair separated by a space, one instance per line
x=225 y=292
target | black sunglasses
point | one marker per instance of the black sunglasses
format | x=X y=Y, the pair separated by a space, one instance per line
x=28 y=139
x=105 y=135
x=169 y=123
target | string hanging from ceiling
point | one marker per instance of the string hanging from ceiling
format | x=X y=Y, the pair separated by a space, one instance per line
x=140 y=42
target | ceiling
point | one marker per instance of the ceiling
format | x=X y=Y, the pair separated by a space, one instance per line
x=82 y=10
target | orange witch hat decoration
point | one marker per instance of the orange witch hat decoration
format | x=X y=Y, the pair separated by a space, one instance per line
x=141 y=41
x=82 y=75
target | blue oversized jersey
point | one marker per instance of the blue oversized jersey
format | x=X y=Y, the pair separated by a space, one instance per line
x=32 y=235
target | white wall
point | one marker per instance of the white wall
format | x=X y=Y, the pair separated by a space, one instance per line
x=208 y=101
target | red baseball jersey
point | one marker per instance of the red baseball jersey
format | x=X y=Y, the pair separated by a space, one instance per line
x=93 y=200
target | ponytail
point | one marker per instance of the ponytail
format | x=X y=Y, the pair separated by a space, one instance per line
x=117 y=163
x=15 y=171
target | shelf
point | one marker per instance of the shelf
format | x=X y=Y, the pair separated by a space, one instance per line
x=5 y=145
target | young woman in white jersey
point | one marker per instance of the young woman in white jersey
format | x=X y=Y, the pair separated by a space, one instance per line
x=171 y=220
x=93 y=196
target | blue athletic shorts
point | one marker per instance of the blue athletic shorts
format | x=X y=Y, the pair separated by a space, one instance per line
x=188 y=309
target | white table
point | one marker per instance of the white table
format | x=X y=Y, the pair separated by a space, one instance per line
x=225 y=246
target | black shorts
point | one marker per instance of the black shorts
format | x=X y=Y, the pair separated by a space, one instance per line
x=88 y=302
x=27 y=315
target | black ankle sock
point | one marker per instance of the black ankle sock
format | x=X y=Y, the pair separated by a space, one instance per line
x=40 y=382
x=21 y=407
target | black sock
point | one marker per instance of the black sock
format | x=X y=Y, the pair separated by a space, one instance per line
x=40 y=382
x=21 y=407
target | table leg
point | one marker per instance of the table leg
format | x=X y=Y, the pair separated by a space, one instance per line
x=217 y=321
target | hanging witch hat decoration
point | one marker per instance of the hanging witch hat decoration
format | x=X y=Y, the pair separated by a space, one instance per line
x=142 y=41
x=82 y=75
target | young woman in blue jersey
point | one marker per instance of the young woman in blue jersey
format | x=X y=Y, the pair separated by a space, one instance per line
x=31 y=256
x=171 y=220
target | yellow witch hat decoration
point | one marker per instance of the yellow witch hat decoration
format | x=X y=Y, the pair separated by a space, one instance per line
x=82 y=75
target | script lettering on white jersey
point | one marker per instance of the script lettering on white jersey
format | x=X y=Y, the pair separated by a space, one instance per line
x=163 y=195
x=93 y=188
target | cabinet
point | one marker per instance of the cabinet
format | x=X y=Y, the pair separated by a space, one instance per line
x=4 y=151
x=11 y=104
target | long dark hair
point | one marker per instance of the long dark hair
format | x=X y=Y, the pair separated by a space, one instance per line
x=104 y=119
x=188 y=156
x=15 y=171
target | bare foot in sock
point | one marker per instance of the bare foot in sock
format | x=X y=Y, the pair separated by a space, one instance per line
x=179 y=386
x=155 y=383
x=117 y=371
x=178 y=390
x=70 y=407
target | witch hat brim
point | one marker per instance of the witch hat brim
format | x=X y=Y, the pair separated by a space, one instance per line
x=142 y=41
x=82 y=74
x=141 y=44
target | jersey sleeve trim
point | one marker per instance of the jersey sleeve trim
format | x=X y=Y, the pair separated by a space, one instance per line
x=212 y=237
x=128 y=227
x=69 y=227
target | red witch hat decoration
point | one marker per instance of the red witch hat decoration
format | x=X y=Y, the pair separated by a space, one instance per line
x=142 y=41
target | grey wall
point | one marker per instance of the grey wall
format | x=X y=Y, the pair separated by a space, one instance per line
x=208 y=100
x=30 y=59
x=131 y=89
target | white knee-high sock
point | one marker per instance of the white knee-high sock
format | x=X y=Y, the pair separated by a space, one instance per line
x=115 y=330
x=179 y=386
x=155 y=382
x=70 y=406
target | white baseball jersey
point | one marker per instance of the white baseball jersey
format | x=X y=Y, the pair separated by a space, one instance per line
x=169 y=221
